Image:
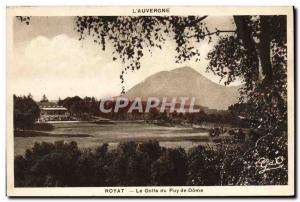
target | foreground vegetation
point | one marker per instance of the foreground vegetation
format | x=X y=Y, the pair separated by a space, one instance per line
x=133 y=164
x=255 y=53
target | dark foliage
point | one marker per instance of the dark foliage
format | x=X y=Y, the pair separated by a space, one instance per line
x=81 y=108
x=24 y=19
x=170 y=169
x=26 y=112
x=135 y=164
x=255 y=52
x=261 y=65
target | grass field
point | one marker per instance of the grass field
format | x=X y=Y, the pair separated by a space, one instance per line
x=89 y=135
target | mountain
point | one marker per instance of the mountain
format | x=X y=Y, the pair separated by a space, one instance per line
x=186 y=82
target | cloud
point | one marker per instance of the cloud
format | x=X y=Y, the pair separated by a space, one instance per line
x=61 y=54
x=63 y=66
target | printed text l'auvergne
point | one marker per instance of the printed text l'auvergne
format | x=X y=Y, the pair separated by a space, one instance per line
x=150 y=10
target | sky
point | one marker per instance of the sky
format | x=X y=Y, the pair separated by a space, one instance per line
x=49 y=59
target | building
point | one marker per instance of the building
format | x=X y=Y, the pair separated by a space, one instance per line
x=50 y=111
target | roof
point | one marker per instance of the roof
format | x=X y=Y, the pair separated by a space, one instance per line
x=47 y=104
x=57 y=108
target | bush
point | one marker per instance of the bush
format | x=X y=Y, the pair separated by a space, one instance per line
x=62 y=164
x=47 y=164
x=204 y=167
x=170 y=168
x=214 y=132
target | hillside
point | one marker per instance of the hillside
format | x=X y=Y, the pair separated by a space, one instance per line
x=186 y=82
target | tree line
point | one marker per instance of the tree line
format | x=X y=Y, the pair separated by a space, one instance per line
x=89 y=106
x=27 y=111
x=62 y=164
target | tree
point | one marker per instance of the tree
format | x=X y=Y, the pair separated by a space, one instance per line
x=203 y=167
x=153 y=114
x=141 y=164
x=26 y=112
x=132 y=36
x=255 y=52
x=170 y=169
x=59 y=102
x=261 y=65
x=75 y=105
x=44 y=98
x=163 y=116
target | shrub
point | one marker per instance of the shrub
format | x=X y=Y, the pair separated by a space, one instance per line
x=170 y=168
x=142 y=164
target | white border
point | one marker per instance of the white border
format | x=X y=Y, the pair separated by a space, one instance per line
x=208 y=191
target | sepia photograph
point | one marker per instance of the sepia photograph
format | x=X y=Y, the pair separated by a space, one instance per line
x=150 y=101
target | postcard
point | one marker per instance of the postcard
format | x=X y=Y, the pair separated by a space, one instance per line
x=155 y=101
